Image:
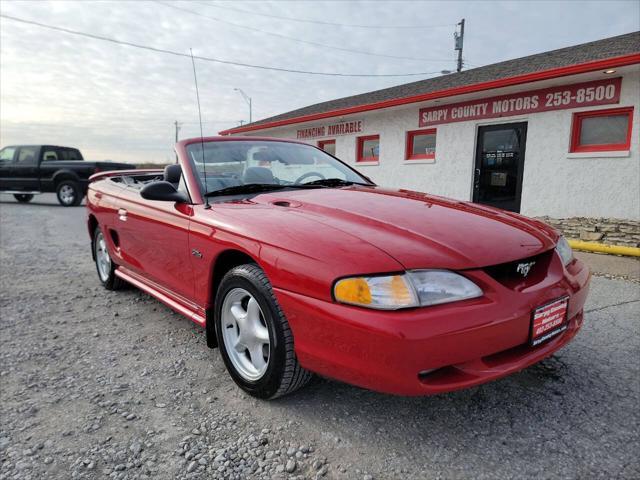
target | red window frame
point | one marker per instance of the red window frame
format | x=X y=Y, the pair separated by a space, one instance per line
x=576 y=128
x=409 y=144
x=360 y=145
x=322 y=143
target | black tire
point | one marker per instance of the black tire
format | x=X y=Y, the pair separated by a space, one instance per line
x=69 y=193
x=23 y=197
x=284 y=374
x=111 y=281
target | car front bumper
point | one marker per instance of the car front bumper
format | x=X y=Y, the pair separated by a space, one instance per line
x=437 y=349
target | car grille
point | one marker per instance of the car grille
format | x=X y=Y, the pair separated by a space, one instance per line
x=527 y=271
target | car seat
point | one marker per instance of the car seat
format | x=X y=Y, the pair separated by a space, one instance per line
x=172 y=174
x=258 y=175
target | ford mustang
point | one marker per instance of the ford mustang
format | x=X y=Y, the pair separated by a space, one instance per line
x=294 y=264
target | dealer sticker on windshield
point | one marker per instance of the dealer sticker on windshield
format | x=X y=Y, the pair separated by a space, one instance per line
x=549 y=320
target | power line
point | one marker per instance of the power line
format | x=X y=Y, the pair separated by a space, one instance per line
x=321 y=22
x=210 y=59
x=294 y=39
x=210 y=122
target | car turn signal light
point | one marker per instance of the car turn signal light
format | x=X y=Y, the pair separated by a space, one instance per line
x=385 y=293
x=415 y=288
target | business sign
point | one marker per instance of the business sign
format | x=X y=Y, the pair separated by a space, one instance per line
x=331 y=130
x=601 y=92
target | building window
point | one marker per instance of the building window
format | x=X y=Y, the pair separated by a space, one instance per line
x=328 y=146
x=368 y=148
x=421 y=145
x=602 y=130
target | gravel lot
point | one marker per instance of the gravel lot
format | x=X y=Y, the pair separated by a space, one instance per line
x=97 y=384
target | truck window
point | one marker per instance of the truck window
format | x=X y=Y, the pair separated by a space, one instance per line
x=69 y=154
x=49 y=155
x=6 y=154
x=27 y=156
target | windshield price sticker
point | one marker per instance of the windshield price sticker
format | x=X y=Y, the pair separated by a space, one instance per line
x=601 y=92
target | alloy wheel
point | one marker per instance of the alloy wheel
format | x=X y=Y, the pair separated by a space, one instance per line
x=245 y=334
x=103 y=260
x=67 y=194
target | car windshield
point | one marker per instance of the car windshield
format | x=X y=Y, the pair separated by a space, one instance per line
x=273 y=164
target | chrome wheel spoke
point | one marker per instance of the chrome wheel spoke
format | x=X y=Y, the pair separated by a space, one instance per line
x=262 y=334
x=253 y=309
x=238 y=347
x=257 y=356
x=238 y=313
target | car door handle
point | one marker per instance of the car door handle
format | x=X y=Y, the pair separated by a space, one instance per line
x=122 y=214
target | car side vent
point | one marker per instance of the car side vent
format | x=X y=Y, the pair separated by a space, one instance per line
x=282 y=203
x=115 y=238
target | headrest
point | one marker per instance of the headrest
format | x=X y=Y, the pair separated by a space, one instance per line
x=258 y=175
x=264 y=156
x=172 y=173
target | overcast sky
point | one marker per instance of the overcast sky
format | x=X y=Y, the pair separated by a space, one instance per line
x=119 y=103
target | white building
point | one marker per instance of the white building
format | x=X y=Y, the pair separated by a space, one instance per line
x=553 y=134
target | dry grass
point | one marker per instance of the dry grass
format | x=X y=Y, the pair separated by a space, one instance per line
x=155 y=166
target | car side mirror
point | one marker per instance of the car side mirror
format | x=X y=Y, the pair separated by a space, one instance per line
x=162 y=191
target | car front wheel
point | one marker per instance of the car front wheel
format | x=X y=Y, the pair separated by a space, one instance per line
x=23 y=197
x=69 y=193
x=254 y=336
x=106 y=268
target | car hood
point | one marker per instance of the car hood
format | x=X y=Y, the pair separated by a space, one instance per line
x=416 y=229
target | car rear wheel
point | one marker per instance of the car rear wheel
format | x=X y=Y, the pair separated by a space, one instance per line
x=23 y=197
x=106 y=268
x=254 y=336
x=69 y=193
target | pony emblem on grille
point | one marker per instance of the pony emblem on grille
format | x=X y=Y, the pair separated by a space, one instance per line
x=524 y=268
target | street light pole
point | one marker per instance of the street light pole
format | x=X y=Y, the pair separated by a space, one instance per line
x=177 y=125
x=247 y=99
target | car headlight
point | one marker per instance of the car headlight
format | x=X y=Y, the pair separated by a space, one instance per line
x=564 y=250
x=417 y=288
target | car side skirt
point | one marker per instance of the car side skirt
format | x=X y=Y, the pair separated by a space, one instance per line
x=22 y=192
x=193 y=312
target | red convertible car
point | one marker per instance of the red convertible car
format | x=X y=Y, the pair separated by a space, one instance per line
x=295 y=263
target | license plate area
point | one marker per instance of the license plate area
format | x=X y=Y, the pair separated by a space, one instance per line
x=549 y=320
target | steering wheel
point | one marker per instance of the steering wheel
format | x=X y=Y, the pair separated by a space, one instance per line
x=309 y=174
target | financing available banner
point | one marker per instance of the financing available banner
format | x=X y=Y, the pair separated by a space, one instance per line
x=332 y=130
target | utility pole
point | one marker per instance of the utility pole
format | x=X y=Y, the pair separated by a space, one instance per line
x=459 y=39
x=177 y=125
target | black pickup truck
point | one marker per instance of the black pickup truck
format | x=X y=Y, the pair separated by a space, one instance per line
x=27 y=170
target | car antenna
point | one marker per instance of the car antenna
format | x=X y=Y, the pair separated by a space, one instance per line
x=204 y=165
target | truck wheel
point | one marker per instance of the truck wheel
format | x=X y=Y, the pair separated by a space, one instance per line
x=254 y=337
x=23 y=197
x=106 y=268
x=69 y=193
